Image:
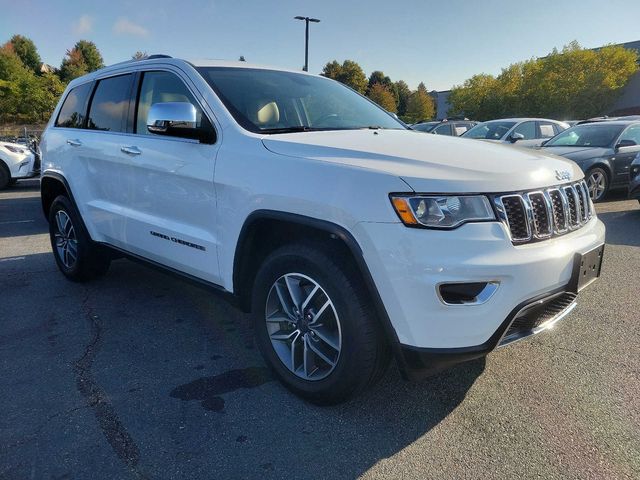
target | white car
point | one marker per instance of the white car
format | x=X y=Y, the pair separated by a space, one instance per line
x=526 y=132
x=16 y=161
x=350 y=238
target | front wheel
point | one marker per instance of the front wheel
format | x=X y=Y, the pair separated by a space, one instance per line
x=76 y=255
x=598 y=183
x=315 y=327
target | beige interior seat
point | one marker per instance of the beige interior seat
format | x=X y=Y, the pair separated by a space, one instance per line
x=264 y=113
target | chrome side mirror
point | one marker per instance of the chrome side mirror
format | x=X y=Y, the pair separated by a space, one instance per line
x=516 y=136
x=171 y=118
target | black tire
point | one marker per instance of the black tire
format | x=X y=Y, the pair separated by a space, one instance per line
x=364 y=353
x=91 y=261
x=13 y=181
x=5 y=176
x=590 y=176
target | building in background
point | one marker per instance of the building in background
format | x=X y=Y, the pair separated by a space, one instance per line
x=627 y=104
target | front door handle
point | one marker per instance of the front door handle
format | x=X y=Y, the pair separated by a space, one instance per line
x=131 y=150
x=74 y=143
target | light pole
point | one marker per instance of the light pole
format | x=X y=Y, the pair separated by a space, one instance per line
x=306 y=39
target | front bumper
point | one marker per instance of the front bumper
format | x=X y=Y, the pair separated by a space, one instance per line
x=407 y=264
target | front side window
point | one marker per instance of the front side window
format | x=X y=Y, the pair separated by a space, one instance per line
x=110 y=104
x=632 y=134
x=425 y=127
x=493 y=130
x=527 y=129
x=270 y=101
x=74 y=108
x=587 y=135
x=444 y=129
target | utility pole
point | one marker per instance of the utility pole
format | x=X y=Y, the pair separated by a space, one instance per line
x=306 y=39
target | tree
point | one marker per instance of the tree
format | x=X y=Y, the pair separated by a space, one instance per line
x=26 y=51
x=90 y=54
x=420 y=105
x=404 y=92
x=349 y=73
x=378 y=77
x=571 y=83
x=72 y=66
x=24 y=96
x=381 y=94
x=139 y=55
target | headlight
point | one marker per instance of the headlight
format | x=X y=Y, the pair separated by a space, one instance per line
x=13 y=149
x=442 y=211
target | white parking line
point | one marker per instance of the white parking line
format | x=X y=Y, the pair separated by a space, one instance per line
x=11 y=259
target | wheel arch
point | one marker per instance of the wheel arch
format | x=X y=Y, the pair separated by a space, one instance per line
x=53 y=184
x=273 y=229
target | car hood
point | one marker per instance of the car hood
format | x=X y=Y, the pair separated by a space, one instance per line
x=429 y=163
x=579 y=153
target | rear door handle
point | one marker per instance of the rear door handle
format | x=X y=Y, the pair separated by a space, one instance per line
x=74 y=143
x=131 y=150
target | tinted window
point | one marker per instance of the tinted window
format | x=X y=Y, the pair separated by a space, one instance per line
x=161 y=87
x=74 y=107
x=110 y=104
x=493 y=130
x=273 y=101
x=528 y=129
x=632 y=134
x=424 y=127
x=587 y=135
x=442 y=130
x=547 y=130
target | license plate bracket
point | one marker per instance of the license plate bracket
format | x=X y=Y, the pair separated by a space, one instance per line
x=586 y=268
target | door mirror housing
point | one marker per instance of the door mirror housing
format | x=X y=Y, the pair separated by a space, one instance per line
x=171 y=117
x=627 y=146
x=515 y=137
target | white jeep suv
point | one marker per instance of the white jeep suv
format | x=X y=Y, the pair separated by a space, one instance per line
x=350 y=238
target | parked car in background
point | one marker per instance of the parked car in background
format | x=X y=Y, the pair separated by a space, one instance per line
x=634 y=178
x=526 y=132
x=604 y=150
x=453 y=128
x=17 y=161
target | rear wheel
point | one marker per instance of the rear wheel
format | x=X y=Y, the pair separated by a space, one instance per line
x=315 y=327
x=76 y=255
x=598 y=183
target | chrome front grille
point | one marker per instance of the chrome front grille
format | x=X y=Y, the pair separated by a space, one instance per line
x=541 y=214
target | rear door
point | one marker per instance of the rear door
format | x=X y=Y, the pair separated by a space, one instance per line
x=107 y=167
x=172 y=204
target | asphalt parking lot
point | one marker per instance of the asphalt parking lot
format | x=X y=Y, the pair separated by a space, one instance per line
x=141 y=375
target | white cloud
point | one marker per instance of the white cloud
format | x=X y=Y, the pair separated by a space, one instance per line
x=83 y=25
x=124 y=26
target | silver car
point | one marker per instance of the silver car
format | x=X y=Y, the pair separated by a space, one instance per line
x=526 y=132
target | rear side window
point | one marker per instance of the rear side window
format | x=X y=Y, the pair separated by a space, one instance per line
x=547 y=130
x=110 y=104
x=74 y=107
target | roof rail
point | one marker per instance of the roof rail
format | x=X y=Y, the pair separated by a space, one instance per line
x=157 y=55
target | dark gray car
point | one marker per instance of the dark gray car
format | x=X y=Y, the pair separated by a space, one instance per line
x=604 y=151
x=634 y=179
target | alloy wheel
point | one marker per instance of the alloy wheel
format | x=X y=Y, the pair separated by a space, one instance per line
x=597 y=184
x=303 y=326
x=65 y=239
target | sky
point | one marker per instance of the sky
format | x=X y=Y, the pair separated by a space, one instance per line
x=441 y=43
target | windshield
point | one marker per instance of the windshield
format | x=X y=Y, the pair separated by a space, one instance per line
x=271 y=101
x=587 y=135
x=489 y=130
x=425 y=127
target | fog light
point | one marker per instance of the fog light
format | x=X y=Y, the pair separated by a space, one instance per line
x=466 y=293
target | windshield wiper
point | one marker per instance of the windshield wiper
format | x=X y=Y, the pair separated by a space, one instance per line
x=292 y=129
